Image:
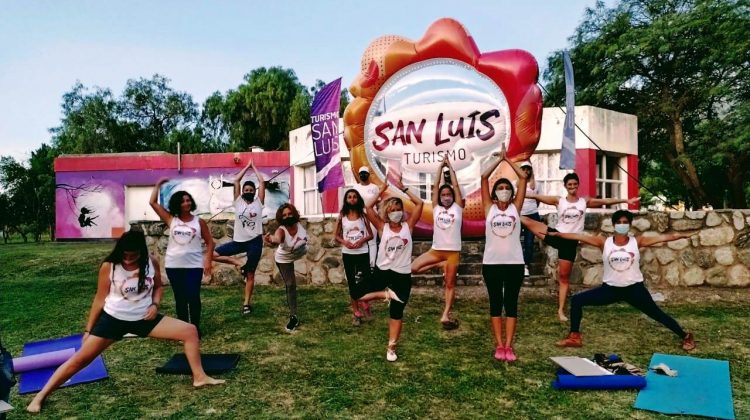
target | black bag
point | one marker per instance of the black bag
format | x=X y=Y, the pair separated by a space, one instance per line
x=7 y=379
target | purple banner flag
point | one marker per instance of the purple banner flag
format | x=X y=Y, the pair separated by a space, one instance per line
x=324 y=117
x=568 y=149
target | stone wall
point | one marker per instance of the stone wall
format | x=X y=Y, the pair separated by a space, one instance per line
x=718 y=256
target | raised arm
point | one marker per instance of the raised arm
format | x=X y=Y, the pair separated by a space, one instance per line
x=418 y=204
x=154 y=202
x=520 y=187
x=238 y=179
x=456 y=185
x=644 y=241
x=209 y=240
x=485 y=182
x=597 y=241
x=371 y=213
x=437 y=182
x=598 y=202
x=102 y=290
x=261 y=189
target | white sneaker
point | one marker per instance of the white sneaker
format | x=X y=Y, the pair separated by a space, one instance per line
x=526 y=271
x=390 y=355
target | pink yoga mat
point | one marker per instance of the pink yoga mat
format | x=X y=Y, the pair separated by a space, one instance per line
x=42 y=360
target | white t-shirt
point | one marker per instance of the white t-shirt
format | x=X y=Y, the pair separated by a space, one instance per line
x=621 y=263
x=395 y=249
x=502 y=233
x=248 y=223
x=446 y=232
x=184 y=249
x=124 y=302
x=530 y=205
x=368 y=192
x=353 y=231
x=293 y=247
x=570 y=216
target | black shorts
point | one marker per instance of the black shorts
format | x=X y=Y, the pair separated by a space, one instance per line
x=112 y=328
x=566 y=248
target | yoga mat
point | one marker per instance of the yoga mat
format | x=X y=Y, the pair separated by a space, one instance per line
x=599 y=382
x=702 y=387
x=42 y=360
x=212 y=363
x=34 y=380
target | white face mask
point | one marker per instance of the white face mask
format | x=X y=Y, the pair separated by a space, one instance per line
x=446 y=201
x=395 y=216
x=622 y=228
x=503 y=195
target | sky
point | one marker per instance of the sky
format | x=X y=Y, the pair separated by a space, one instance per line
x=208 y=46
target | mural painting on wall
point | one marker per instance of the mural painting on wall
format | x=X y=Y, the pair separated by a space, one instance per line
x=92 y=204
x=419 y=102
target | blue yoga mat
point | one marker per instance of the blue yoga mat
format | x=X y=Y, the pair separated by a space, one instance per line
x=701 y=388
x=34 y=380
x=565 y=380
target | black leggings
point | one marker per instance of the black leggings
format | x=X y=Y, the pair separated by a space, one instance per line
x=398 y=282
x=636 y=295
x=186 y=285
x=353 y=264
x=290 y=282
x=503 y=283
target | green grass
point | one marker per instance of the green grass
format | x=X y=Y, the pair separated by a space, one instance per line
x=331 y=369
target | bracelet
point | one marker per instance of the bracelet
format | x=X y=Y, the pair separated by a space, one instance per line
x=404 y=189
x=155 y=304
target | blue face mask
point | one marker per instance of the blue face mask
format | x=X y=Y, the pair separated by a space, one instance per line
x=622 y=228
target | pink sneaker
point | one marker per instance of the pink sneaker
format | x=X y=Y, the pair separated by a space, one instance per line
x=500 y=353
x=510 y=356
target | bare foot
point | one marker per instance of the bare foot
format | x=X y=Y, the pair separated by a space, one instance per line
x=561 y=316
x=34 y=406
x=391 y=295
x=207 y=380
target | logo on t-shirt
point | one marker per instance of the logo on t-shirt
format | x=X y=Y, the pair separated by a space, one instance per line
x=353 y=234
x=444 y=219
x=183 y=234
x=571 y=215
x=503 y=225
x=620 y=259
x=129 y=288
x=249 y=220
x=395 y=246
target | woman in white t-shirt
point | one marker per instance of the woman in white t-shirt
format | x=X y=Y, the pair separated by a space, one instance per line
x=291 y=239
x=530 y=209
x=503 y=264
x=184 y=260
x=571 y=214
x=248 y=231
x=393 y=265
x=622 y=278
x=447 y=217
x=128 y=294
x=353 y=233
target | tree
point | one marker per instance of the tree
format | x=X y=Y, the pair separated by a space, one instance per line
x=682 y=67
x=258 y=111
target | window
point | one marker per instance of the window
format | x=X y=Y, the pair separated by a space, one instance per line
x=609 y=180
x=548 y=176
x=311 y=204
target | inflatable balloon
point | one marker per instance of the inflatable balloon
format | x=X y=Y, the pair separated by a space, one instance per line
x=416 y=103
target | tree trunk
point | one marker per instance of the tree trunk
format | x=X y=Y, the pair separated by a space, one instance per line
x=683 y=165
x=735 y=175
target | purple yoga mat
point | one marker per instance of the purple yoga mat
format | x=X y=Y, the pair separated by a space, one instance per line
x=34 y=380
x=42 y=360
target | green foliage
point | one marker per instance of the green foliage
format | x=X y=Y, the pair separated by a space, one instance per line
x=682 y=67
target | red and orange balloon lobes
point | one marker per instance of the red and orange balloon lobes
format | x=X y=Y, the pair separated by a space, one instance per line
x=514 y=71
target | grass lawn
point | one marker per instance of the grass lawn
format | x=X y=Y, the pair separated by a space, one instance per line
x=332 y=369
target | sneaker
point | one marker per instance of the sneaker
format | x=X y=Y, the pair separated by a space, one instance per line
x=390 y=355
x=573 y=339
x=510 y=356
x=526 y=271
x=292 y=324
x=688 y=343
x=500 y=353
x=247 y=310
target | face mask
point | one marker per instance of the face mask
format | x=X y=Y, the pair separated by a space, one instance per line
x=248 y=197
x=288 y=221
x=622 y=228
x=446 y=201
x=503 y=195
x=395 y=216
x=364 y=176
